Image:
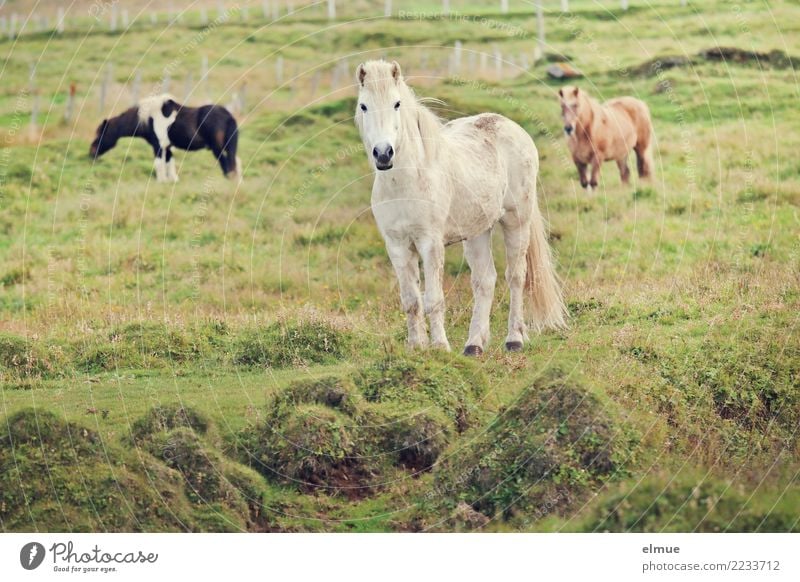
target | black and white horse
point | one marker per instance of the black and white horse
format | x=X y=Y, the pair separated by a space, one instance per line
x=164 y=123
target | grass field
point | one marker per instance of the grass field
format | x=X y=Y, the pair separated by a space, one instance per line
x=209 y=357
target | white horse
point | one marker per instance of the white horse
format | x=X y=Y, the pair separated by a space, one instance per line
x=437 y=184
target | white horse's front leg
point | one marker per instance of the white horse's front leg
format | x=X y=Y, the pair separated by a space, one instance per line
x=432 y=252
x=517 y=237
x=478 y=253
x=406 y=266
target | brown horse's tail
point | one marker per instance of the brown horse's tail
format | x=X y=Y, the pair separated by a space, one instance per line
x=644 y=144
x=541 y=281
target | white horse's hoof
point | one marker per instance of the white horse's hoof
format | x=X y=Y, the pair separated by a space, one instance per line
x=514 y=346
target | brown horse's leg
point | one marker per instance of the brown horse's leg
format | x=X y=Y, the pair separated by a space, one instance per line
x=624 y=171
x=643 y=161
x=582 y=174
x=595 y=172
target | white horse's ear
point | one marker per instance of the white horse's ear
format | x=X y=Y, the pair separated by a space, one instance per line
x=397 y=74
x=361 y=73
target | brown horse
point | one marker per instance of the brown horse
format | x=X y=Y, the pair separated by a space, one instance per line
x=597 y=133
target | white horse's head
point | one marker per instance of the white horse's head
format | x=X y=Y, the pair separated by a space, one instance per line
x=381 y=92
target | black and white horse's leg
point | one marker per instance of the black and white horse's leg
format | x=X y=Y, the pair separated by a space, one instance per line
x=234 y=164
x=516 y=234
x=159 y=163
x=169 y=160
x=478 y=253
x=432 y=252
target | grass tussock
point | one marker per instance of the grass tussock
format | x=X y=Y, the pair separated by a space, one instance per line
x=541 y=454
x=693 y=503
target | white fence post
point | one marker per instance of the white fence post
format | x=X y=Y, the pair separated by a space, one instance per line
x=204 y=76
x=60 y=21
x=104 y=89
x=540 y=25
x=70 y=103
x=113 y=17
x=387 y=8
x=446 y=7
x=624 y=4
x=504 y=6
x=137 y=82
x=564 y=5
x=279 y=71
x=331 y=9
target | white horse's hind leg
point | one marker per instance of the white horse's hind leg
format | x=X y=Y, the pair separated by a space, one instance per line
x=432 y=252
x=406 y=266
x=517 y=237
x=478 y=253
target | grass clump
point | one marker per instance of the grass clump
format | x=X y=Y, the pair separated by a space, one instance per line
x=58 y=476
x=23 y=358
x=137 y=345
x=422 y=381
x=285 y=344
x=693 y=503
x=225 y=497
x=164 y=418
x=412 y=439
x=313 y=447
x=540 y=454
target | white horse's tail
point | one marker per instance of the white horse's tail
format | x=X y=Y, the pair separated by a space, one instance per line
x=541 y=281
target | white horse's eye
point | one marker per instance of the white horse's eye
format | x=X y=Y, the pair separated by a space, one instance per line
x=397 y=106
x=363 y=108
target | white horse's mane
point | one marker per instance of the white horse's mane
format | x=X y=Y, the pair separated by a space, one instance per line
x=151 y=106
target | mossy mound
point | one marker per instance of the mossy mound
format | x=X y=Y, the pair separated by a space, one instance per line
x=313 y=447
x=285 y=344
x=540 y=454
x=452 y=384
x=220 y=490
x=412 y=439
x=226 y=497
x=332 y=391
x=164 y=418
x=137 y=345
x=58 y=476
x=694 y=503
x=23 y=358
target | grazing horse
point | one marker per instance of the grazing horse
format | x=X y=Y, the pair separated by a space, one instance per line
x=437 y=184
x=164 y=124
x=597 y=133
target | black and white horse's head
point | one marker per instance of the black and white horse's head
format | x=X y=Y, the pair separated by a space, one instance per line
x=105 y=138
